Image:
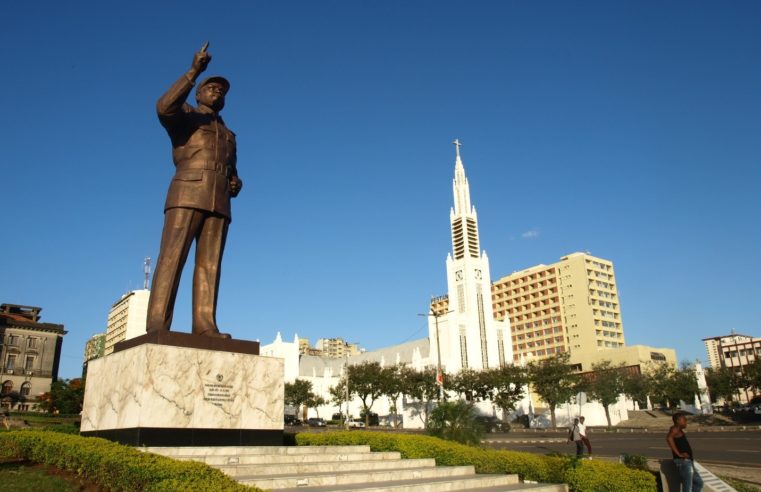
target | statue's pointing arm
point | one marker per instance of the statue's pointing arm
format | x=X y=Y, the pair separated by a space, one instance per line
x=169 y=106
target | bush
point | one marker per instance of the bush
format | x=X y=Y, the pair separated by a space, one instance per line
x=580 y=475
x=62 y=428
x=455 y=421
x=636 y=461
x=112 y=466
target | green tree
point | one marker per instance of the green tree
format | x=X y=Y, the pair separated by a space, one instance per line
x=506 y=385
x=554 y=380
x=338 y=397
x=366 y=381
x=725 y=383
x=753 y=375
x=299 y=393
x=65 y=396
x=636 y=387
x=669 y=385
x=605 y=384
x=316 y=403
x=455 y=421
x=422 y=386
x=658 y=377
x=683 y=385
x=396 y=383
x=474 y=385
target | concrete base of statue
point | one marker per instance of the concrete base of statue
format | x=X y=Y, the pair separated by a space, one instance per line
x=149 y=393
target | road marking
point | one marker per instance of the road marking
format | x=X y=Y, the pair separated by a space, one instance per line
x=743 y=451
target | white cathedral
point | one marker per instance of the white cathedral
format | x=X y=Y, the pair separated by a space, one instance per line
x=465 y=337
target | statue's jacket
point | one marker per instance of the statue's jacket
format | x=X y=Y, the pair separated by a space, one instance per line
x=203 y=150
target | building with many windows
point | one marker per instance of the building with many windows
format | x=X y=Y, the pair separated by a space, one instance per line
x=336 y=347
x=568 y=306
x=30 y=352
x=733 y=350
x=127 y=318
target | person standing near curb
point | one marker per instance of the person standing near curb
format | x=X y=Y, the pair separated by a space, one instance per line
x=574 y=434
x=681 y=451
x=584 y=437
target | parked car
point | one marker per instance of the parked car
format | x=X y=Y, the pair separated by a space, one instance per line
x=492 y=424
x=374 y=420
x=291 y=420
x=356 y=423
x=316 y=422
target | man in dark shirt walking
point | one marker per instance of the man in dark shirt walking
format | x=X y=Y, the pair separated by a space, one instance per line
x=682 y=454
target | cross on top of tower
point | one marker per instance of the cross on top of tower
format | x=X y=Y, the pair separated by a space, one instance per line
x=457 y=146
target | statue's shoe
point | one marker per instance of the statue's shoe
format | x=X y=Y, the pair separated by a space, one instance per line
x=215 y=334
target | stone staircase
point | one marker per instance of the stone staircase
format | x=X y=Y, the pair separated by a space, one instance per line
x=343 y=468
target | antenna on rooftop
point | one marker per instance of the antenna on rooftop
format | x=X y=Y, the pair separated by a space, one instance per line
x=146 y=271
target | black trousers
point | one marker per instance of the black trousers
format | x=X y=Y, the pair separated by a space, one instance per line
x=181 y=227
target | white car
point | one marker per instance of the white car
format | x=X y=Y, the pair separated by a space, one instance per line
x=356 y=423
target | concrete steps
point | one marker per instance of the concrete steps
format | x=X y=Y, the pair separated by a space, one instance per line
x=474 y=483
x=332 y=467
x=275 y=459
x=343 y=468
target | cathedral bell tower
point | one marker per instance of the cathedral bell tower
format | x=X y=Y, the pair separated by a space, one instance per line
x=467 y=335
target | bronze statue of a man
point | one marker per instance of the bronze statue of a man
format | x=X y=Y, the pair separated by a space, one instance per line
x=198 y=201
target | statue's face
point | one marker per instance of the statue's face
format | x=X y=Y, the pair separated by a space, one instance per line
x=212 y=95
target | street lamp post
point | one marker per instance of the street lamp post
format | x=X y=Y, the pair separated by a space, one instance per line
x=346 y=390
x=439 y=372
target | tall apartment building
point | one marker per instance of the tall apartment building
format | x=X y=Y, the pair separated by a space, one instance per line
x=568 y=306
x=30 y=352
x=127 y=318
x=733 y=350
x=336 y=347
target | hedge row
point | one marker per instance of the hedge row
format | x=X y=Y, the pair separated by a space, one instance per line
x=112 y=466
x=580 y=475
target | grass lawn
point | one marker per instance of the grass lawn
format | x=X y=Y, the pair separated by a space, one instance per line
x=24 y=476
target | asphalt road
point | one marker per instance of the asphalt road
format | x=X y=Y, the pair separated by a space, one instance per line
x=728 y=448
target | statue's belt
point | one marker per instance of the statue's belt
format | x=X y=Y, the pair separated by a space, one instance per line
x=219 y=167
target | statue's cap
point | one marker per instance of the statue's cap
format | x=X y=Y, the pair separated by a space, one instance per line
x=217 y=79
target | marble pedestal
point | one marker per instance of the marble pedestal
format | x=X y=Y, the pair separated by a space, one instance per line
x=161 y=395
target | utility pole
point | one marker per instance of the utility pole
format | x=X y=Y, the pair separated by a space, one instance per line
x=346 y=391
x=439 y=371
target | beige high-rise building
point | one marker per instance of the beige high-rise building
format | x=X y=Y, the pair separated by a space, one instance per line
x=717 y=349
x=568 y=306
x=336 y=347
x=127 y=318
x=734 y=351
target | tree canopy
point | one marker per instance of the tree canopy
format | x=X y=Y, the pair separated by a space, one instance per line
x=65 y=396
x=300 y=393
x=605 y=384
x=366 y=381
x=554 y=380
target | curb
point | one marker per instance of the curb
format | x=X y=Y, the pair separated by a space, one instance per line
x=523 y=441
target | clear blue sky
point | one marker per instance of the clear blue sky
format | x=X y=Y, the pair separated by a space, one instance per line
x=628 y=129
